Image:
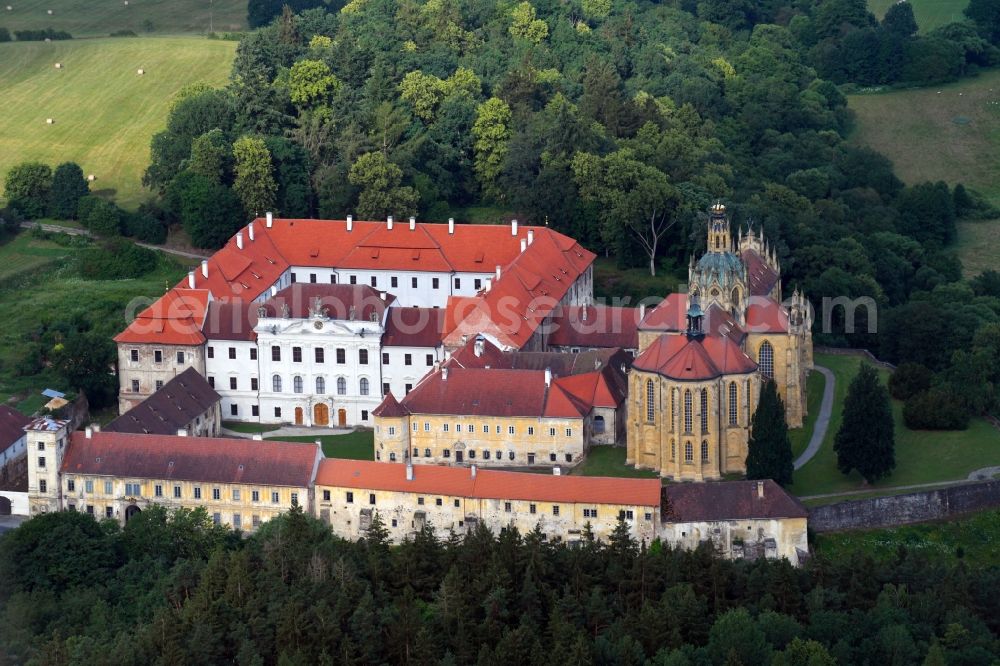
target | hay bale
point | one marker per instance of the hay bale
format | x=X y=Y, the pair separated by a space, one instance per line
x=47 y=40
x=50 y=121
x=140 y=71
x=58 y=65
x=49 y=12
x=91 y=178
x=9 y=8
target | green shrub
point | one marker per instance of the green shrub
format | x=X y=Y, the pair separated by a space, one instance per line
x=104 y=219
x=935 y=409
x=27 y=188
x=908 y=380
x=4 y=35
x=85 y=205
x=117 y=259
x=144 y=227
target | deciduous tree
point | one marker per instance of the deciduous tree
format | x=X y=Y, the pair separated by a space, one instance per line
x=254 y=182
x=68 y=186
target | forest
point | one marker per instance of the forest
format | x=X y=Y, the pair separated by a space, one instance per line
x=172 y=588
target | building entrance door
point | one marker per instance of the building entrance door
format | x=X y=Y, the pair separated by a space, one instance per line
x=459 y=455
x=298 y=416
x=131 y=511
x=321 y=414
x=342 y=417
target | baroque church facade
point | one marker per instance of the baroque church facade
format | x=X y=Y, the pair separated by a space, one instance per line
x=704 y=355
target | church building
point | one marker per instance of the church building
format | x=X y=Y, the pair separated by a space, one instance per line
x=704 y=355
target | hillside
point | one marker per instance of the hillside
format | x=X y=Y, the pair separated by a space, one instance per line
x=948 y=133
x=930 y=14
x=89 y=19
x=104 y=112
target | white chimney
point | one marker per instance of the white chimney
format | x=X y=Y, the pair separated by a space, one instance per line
x=204 y=267
x=318 y=443
x=96 y=427
x=583 y=316
x=350 y=222
x=444 y=374
x=190 y=279
x=413 y=223
x=498 y=272
x=239 y=239
x=556 y=471
x=472 y=470
x=760 y=490
x=258 y=437
x=270 y=219
x=489 y=284
x=642 y=311
x=88 y=432
x=389 y=223
x=274 y=290
x=524 y=244
x=479 y=347
x=382 y=295
x=250 y=231
x=451 y=225
x=182 y=432
x=513 y=227
x=548 y=377
x=531 y=236
x=409 y=471
x=447 y=355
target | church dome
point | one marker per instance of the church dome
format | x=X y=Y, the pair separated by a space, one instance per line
x=725 y=265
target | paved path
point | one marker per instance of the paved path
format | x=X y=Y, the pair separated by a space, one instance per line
x=289 y=431
x=74 y=231
x=822 y=419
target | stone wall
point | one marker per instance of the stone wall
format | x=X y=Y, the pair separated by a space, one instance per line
x=904 y=509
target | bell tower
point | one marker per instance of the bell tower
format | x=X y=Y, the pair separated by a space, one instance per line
x=718 y=230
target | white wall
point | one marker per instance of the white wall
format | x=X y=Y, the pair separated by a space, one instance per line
x=15 y=450
x=18 y=502
x=243 y=369
x=398 y=374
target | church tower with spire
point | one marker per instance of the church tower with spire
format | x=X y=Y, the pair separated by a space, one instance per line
x=719 y=277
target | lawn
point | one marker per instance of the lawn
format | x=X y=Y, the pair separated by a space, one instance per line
x=610 y=461
x=949 y=133
x=46 y=288
x=249 y=428
x=357 y=445
x=930 y=14
x=105 y=114
x=91 y=19
x=800 y=436
x=921 y=456
x=975 y=538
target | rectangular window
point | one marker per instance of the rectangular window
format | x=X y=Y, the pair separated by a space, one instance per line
x=234 y=410
x=275 y=353
x=70 y=486
x=326 y=495
x=429 y=360
x=312 y=278
x=569 y=432
x=42 y=486
x=88 y=486
x=371 y=498
x=385 y=358
x=232 y=353
x=420 y=501
x=435 y=283
x=109 y=512
x=295 y=499
x=217 y=518
x=413 y=282
x=385 y=388
x=211 y=381
x=274 y=498
x=254 y=409
x=216 y=493
x=253 y=353
x=458 y=283
x=552 y=457
x=41 y=461
x=159 y=384
x=477 y=284
x=531 y=430
x=237 y=521
x=133 y=490
x=90 y=509
x=277 y=412
x=486 y=429
x=254 y=495
x=555 y=510
x=407 y=388
x=296 y=354
x=394 y=282
x=363 y=356
x=438 y=501
x=256 y=521
x=158 y=356
x=650 y=400
x=353 y=279
x=457 y=504
x=510 y=430
x=157 y=491
x=197 y=493
x=211 y=352
x=180 y=358
x=407 y=359
x=350 y=498
x=109 y=488
x=333 y=279
x=427 y=426
x=506 y=507
x=552 y=432
x=135 y=386
x=392 y=430
x=177 y=492
x=341 y=356
x=446 y=453
x=364 y=414
x=445 y=427
x=294 y=278
x=253 y=384
x=498 y=430
x=531 y=508
x=232 y=383
x=374 y=281
x=134 y=354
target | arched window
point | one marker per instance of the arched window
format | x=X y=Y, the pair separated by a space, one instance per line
x=733 y=404
x=704 y=410
x=650 y=396
x=687 y=411
x=392 y=457
x=673 y=450
x=341 y=386
x=688 y=453
x=297 y=384
x=427 y=453
x=765 y=359
x=364 y=386
x=276 y=383
x=704 y=451
x=673 y=409
x=320 y=386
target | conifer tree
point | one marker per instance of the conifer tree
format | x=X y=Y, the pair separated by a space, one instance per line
x=769 y=452
x=866 y=441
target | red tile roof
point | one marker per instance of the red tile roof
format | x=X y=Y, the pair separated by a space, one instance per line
x=669 y=315
x=684 y=359
x=765 y=315
x=389 y=407
x=12 y=424
x=209 y=460
x=595 y=326
x=761 y=277
x=175 y=318
x=476 y=391
x=231 y=320
x=728 y=500
x=413 y=327
x=488 y=484
x=338 y=301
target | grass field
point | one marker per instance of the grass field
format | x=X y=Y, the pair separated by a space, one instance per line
x=105 y=114
x=248 y=428
x=814 y=396
x=952 y=135
x=921 y=456
x=976 y=539
x=89 y=19
x=610 y=461
x=930 y=14
x=39 y=283
x=357 y=445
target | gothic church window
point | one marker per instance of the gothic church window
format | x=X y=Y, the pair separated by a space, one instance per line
x=704 y=410
x=687 y=411
x=704 y=451
x=688 y=453
x=733 y=404
x=765 y=359
x=650 y=395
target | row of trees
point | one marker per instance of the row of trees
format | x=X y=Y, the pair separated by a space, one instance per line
x=172 y=588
